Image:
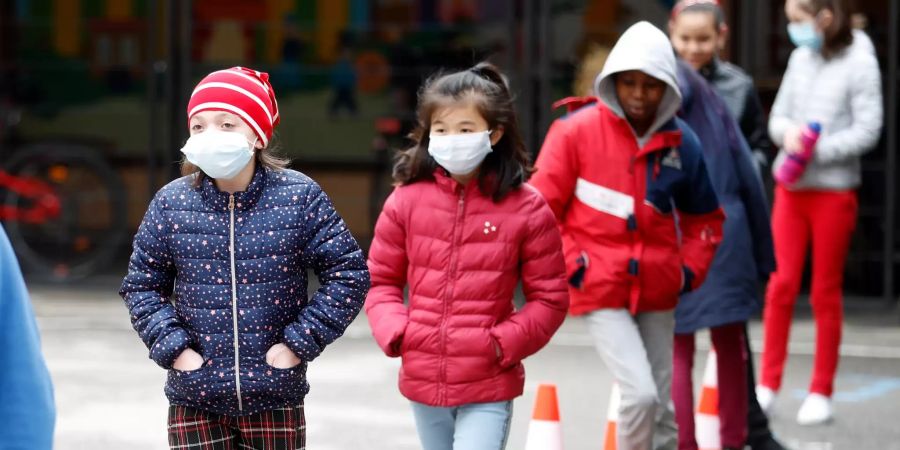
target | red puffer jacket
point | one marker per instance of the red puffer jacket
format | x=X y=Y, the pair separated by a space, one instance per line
x=462 y=255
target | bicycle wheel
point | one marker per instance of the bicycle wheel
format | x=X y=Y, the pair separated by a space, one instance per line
x=91 y=225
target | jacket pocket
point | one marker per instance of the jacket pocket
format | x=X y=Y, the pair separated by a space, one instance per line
x=262 y=380
x=578 y=273
x=471 y=355
x=188 y=373
x=271 y=367
x=662 y=277
x=193 y=387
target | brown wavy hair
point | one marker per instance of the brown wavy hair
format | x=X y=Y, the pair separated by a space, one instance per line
x=507 y=167
x=839 y=35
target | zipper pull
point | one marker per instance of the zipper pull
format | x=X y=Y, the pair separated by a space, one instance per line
x=231 y=202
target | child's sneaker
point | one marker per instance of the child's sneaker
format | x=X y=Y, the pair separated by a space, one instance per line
x=765 y=397
x=815 y=410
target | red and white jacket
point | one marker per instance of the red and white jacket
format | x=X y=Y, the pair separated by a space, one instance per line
x=617 y=205
x=639 y=217
x=462 y=256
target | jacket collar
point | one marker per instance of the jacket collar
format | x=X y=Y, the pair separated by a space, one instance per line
x=243 y=200
x=669 y=135
x=710 y=70
x=447 y=183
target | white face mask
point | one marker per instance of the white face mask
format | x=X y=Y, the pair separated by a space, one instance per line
x=460 y=154
x=219 y=154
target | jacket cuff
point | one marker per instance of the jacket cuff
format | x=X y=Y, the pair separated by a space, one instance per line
x=302 y=344
x=687 y=276
x=167 y=349
x=392 y=347
x=508 y=354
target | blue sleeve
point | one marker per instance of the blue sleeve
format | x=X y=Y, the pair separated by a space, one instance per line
x=700 y=217
x=755 y=203
x=27 y=412
x=147 y=288
x=339 y=264
x=697 y=195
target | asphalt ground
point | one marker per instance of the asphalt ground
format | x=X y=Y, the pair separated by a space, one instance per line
x=109 y=395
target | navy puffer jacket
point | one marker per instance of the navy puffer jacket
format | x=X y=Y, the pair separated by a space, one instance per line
x=186 y=287
x=746 y=256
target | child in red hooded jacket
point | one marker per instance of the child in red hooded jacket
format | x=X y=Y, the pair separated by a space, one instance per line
x=640 y=223
x=461 y=230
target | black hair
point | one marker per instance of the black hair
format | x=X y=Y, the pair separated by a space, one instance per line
x=507 y=167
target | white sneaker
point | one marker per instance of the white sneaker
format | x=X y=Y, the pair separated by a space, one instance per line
x=815 y=410
x=765 y=397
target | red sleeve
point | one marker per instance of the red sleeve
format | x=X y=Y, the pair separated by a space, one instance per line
x=387 y=265
x=544 y=283
x=557 y=168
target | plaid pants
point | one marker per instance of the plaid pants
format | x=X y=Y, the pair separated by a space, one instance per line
x=278 y=429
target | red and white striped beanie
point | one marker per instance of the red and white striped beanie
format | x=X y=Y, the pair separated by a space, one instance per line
x=244 y=92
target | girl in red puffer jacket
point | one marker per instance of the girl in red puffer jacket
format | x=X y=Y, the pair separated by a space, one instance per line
x=461 y=229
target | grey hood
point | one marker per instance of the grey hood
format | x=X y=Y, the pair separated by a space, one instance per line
x=645 y=48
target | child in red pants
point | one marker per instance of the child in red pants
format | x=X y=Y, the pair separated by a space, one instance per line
x=832 y=78
x=824 y=220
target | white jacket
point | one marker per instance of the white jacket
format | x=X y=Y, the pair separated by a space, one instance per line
x=843 y=94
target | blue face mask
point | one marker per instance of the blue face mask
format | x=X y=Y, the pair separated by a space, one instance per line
x=805 y=34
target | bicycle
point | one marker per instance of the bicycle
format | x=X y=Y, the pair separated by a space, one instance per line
x=63 y=206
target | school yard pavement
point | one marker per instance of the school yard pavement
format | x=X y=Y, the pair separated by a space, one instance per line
x=109 y=395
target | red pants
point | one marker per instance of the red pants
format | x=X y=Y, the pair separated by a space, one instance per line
x=826 y=221
x=731 y=371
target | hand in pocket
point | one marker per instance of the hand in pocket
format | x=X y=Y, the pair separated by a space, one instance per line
x=188 y=360
x=281 y=357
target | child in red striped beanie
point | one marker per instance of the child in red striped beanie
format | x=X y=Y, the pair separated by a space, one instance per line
x=227 y=103
x=217 y=282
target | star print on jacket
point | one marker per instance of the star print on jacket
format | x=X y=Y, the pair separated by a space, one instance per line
x=189 y=287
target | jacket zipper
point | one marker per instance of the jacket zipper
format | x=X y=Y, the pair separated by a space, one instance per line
x=234 y=310
x=457 y=227
x=636 y=247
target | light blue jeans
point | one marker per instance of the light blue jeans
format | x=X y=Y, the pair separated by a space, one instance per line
x=476 y=426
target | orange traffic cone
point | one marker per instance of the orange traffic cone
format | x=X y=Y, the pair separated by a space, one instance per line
x=612 y=417
x=544 y=431
x=706 y=420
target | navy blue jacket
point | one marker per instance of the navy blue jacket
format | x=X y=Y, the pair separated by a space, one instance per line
x=186 y=287
x=746 y=256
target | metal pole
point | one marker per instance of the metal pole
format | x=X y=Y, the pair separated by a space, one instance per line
x=511 y=41
x=545 y=80
x=747 y=17
x=184 y=74
x=7 y=35
x=179 y=77
x=153 y=121
x=528 y=118
x=170 y=88
x=893 y=75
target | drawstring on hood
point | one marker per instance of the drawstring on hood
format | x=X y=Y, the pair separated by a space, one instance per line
x=645 y=48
